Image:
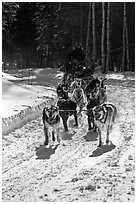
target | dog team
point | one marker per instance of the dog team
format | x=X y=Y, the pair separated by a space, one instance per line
x=73 y=97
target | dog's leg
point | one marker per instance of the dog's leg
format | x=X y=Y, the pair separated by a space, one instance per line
x=46 y=136
x=65 y=118
x=107 y=136
x=89 y=123
x=80 y=116
x=76 y=118
x=53 y=135
x=99 y=137
x=58 y=137
x=91 y=120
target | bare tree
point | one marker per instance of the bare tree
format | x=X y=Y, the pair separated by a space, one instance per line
x=125 y=61
x=108 y=38
x=88 y=31
x=127 y=47
x=93 y=30
x=103 y=38
x=124 y=26
x=81 y=23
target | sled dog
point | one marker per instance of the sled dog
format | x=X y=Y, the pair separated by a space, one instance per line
x=67 y=108
x=104 y=116
x=77 y=94
x=62 y=90
x=51 y=122
x=101 y=95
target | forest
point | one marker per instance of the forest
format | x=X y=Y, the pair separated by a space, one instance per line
x=41 y=34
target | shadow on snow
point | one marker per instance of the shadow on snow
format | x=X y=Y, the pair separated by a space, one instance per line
x=67 y=135
x=91 y=136
x=44 y=153
x=103 y=149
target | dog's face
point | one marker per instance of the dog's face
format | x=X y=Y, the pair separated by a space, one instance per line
x=77 y=83
x=51 y=112
x=98 y=112
x=77 y=93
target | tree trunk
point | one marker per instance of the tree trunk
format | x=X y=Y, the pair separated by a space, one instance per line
x=127 y=48
x=103 y=38
x=81 y=23
x=108 y=38
x=93 y=30
x=88 y=31
x=124 y=26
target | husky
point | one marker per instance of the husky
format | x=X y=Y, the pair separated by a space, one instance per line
x=77 y=93
x=51 y=121
x=96 y=86
x=101 y=95
x=62 y=90
x=67 y=108
x=104 y=116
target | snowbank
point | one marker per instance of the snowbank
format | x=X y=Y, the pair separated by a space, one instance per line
x=22 y=102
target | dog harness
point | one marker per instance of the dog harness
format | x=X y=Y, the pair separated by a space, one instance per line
x=53 y=120
x=104 y=118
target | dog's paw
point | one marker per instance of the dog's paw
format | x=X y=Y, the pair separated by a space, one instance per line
x=100 y=144
x=107 y=142
x=46 y=143
x=47 y=146
x=91 y=129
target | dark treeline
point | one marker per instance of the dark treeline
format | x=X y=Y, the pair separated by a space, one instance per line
x=40 y=34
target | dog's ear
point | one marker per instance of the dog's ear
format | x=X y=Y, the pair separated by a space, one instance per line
x=45 y=109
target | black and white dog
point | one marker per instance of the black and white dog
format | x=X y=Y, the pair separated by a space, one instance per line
x=67 y=107
x=92 y=102
x=51 y=122
x=96 y=95
x=105 y=115
x=94 y=85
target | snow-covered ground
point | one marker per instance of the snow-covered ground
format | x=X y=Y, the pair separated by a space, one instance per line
x=18 y=93
x=76 y=170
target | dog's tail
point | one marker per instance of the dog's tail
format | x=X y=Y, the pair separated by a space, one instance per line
x=102 y=83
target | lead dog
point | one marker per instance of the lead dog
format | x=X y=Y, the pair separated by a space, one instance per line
x=51 y=121
x=104 y=116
